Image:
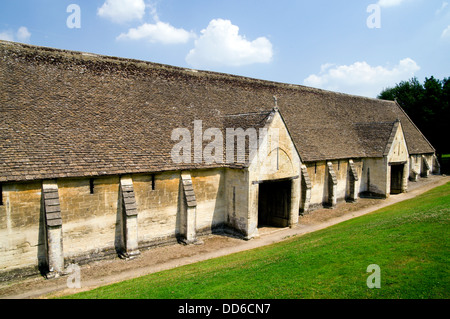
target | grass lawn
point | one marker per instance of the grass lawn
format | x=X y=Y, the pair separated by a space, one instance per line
x=409 y=241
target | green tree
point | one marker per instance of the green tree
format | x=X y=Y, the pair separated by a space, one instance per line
x=408 y=94
x=427 y=105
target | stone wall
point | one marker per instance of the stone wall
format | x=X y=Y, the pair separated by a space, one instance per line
x=237 y=199
x=22 y=238
x=157 y=198
x=318 y=173
x=210 y=189
x=418 y=168
x=374 y=177
x=91 y=221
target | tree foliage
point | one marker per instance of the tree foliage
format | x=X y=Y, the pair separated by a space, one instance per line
x=428 y=106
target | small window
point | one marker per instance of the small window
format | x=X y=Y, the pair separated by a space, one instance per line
x=339 y=165
x=1 y=195
x=315 y=168
x=91 y=186
x=153 y=182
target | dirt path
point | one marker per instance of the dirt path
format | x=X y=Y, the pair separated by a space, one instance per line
x=162 y=258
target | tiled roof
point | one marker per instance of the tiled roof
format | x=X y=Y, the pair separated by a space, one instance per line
x=374 y=137
x=68 y=114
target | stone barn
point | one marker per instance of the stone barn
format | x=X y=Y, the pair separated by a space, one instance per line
x=103 y=156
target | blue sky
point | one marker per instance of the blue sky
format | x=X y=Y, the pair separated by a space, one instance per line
x=351 y=46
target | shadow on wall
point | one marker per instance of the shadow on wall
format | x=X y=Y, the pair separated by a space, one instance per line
x=220 y=209
x=119 y=243
x=180 y=210
x=42 y=242
x=348 y=186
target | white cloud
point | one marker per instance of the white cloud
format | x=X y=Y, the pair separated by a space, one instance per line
x=360 y=78
x=390 y=3
x=446 y=33
x=121 y=11
x=160 y=32
x=442 y=8
x=22 y=35
x=7 y=36
x=220 y=44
